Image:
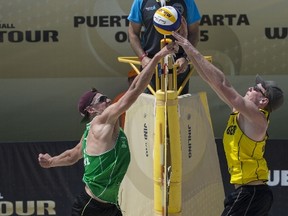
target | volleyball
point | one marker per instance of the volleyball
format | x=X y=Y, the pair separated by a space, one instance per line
x=166 y=20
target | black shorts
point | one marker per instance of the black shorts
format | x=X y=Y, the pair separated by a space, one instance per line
x=249 y=200
x=84 y=205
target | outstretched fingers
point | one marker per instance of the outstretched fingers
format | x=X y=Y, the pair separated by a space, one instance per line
x=178 y=36
x=180 y=40
x=173 y=47
x=183 y=31
x=169 y=49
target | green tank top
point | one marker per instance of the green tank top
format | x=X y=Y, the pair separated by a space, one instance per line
x=104 y=173
x=244 y=156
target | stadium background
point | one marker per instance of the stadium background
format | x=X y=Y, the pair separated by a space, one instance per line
x=50 y=52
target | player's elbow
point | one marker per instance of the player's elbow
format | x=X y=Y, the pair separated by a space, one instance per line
x=72 y=159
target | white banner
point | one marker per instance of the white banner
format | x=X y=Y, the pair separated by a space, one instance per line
x=201 y=176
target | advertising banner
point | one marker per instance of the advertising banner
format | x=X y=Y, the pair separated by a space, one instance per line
x=83 y=38
x=28 y=189
x=200 y=170
x=245 y=37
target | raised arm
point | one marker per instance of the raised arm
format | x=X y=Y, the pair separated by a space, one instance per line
x=138 y=85
x=220 y=84
x=193 y=33
x=209 y=73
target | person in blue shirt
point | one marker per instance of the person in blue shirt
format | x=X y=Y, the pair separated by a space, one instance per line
x=146 y=44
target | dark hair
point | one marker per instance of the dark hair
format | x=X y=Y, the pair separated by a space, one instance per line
x=84 y=101
x=273 y=93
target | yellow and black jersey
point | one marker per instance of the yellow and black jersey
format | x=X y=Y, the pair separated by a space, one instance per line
x=244 y=155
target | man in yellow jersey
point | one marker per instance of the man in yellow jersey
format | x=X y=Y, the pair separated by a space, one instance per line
x=245 y=136
x=104 y=145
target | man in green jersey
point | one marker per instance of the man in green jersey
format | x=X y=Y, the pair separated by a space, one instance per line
x=104 y=145
x=245 y=136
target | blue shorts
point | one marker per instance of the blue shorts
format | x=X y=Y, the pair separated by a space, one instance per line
x=84 y=205
x=249 y=200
